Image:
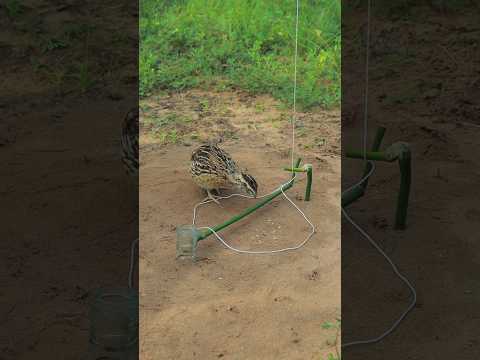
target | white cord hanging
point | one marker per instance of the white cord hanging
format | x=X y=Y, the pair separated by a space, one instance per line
x=132 y=262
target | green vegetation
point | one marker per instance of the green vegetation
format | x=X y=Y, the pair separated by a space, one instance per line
x=333 y=357
x=244 y=44
x=13 y=8
x=53 y=44
x=83 y=76
x=334 y=342
x=166 y=128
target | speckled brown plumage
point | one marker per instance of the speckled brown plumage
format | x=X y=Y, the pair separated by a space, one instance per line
x=212 y=168
x=129 y=138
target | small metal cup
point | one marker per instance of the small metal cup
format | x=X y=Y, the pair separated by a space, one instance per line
x=187 y=239
x=114 y=324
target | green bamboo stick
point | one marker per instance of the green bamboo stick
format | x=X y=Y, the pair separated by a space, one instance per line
x=309 y=170
x=404 y=193
x=398 y=151
x=295 y=169
x=371 y=155
x=250 y=210
x=377 y=141
x=352 y=195
x=358 y=191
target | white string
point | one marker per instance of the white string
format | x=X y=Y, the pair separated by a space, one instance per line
x=357 y=227
x=239 y=195
x=280 y=187
x=132 y=262
x=259 y=197
x=367 y=77
x=365 y=178
x=399 y=275
x=294 y=117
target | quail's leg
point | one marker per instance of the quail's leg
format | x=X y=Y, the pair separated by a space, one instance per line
x=211 y=196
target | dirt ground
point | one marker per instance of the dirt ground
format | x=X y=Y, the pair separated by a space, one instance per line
x=228 y=305
x=67 y=208
x=424 y=90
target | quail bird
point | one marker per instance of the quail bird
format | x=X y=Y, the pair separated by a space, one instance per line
x=212 y=168
x=129 y=138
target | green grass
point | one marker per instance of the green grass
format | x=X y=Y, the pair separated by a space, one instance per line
x=334 y=357
x=165 y=127
x=51 y=44
x=84 y=76
x=334 y=342
x=13 y=7
x=241 y=44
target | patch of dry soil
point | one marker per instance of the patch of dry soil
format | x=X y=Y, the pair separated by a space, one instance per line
x=228 y=305
x=424 y=90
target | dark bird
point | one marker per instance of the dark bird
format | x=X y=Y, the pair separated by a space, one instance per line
x=213 y=169
x=130 y=129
